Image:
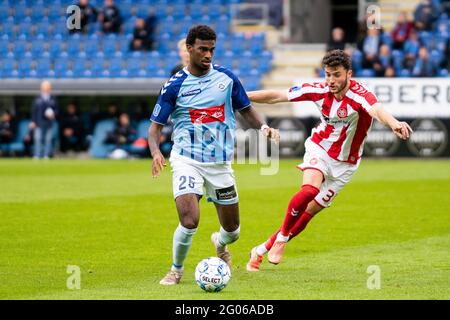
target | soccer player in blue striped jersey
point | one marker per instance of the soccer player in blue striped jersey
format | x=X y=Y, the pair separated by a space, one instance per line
x=202 y=100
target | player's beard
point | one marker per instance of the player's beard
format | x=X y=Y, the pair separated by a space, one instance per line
x=344 y=85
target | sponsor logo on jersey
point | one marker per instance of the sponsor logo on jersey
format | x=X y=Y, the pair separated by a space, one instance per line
x=296 y=88
x=191 y=93
x=342 y=112
x=211 y=114
x=226 y=193
x=313 y=161
x=221 y=86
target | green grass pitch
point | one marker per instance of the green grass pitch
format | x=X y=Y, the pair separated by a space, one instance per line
x=115 y=222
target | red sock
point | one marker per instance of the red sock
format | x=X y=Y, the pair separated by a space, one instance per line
x=297 y=205
x=305 y=217
x=269 y=243
x=300 y=225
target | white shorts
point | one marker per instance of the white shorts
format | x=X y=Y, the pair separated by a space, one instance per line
x=336 y=173
x=189 y=176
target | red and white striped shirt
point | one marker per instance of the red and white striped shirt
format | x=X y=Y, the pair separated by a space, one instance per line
x=345 y=123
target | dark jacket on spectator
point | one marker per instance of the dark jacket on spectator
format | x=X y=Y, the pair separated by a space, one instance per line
x=40 y=105
x=7 y=131
x=121 y=135
x=111 y=14
x=88 y=15
x=71 y=121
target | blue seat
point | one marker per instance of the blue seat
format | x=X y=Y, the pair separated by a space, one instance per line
x=386 y=39
x=17 y=146
x=8 y=29
x=443 y=73
x=4 y=13
x=357 y=58
x=37 y=48
x=214 y=11
x=257 y=42
x=38 y=12
x=20 y=48
x=142 y=129
x=61 y=66
x=238 y=43
x=404 y=73
x=109 y=47
x=436 y=57
x=98 y=148
x=425 y=36
x=4 y=47
x=367 y=73
x=55 y=11
x=7 y=67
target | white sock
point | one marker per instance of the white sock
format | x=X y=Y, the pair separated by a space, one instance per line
x=182 y=240
x=280 y=237
x=226 y=237
x=261 y=249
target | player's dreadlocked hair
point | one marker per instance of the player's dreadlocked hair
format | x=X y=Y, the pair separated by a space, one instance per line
x=201 y=32
x=335 y=58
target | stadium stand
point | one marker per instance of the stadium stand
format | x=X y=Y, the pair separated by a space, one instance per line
x=35 y=42
x=407 y=60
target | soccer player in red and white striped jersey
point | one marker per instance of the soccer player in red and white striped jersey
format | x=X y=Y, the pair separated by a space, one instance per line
x=334 y=149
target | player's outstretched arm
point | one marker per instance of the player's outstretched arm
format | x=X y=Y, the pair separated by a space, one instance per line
x=154 y=136
x=401 y=129
x=255 y=120
x=268 y=96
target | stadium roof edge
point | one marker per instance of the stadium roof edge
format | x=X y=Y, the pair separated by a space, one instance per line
x=83 y=86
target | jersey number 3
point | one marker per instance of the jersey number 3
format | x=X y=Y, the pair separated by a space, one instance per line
x=184 y=179
x=328 y=196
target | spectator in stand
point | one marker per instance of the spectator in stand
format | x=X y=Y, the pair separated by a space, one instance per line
x=446 y=61
x=184 y=57
x=411 y=50
x=369 y=20
x=71 y=129
x=110 y=18
x=424 y=67
x=425 y=15
x=142 y=39
x=151 y=23
x=412 y=44
x=28 y=142
x=446 y=6
x=337 y=40
x=112 y=113
x=43 y=117
x=124 y=134
x=89 y=15
x=383 y=61
x=389 y=72
x=371 y=45
x=401 y=31
x=385 y=56
x=8 y=128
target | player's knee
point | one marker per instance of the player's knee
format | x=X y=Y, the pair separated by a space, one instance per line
x=189 y=222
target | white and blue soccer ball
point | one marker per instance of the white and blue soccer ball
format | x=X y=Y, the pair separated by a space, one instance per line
x=212 y=274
